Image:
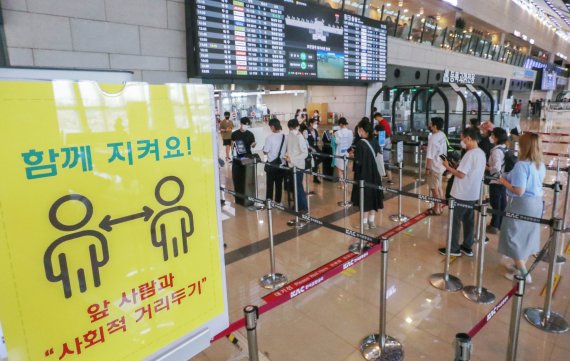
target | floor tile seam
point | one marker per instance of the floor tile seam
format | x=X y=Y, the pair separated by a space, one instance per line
x=287 y=235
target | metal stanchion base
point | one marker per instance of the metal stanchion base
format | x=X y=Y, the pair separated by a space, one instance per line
x=399 y=218
x=344 y=204
x=472 y=294
x=370 y=349
x=256 y=207
x=452 y=284
x=555 y=324
x=273 y=281
x=297 y=223
x=355 y=248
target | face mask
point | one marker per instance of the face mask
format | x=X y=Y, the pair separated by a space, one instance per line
x=463 y=145
x=244 y=126
x=315 y=126
x=492 y=140
x=315 y=115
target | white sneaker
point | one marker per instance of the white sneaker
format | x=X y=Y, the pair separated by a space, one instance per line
x=371 y=225
x=511 y=276
x=508 y=264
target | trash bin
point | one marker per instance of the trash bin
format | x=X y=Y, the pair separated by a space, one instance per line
x=243 y=174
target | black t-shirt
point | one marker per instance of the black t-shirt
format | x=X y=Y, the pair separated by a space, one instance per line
x=486 y=145
x=242 y=142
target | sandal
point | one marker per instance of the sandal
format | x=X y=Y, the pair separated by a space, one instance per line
x=432 y=212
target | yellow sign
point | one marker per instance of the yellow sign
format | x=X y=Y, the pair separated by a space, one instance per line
x=110 y=246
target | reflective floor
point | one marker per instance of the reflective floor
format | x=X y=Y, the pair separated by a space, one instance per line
x=329 y=321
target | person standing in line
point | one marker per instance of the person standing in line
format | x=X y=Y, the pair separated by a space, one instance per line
x=520 y=239
x=343 y=142
x=242 y=141
x=275 y=149
x=496 y=167
x=466 y=188
x=295 y=156
x=226 y=128
x=365 y=168
x=312 y=137
x=485 y=129
x=437 y=146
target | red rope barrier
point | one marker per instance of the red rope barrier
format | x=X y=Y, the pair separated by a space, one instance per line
x=492 y=313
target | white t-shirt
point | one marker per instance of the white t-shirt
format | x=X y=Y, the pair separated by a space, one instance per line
x=437 y=145
x=473 y=166
x=344 y=139
x=272 y=144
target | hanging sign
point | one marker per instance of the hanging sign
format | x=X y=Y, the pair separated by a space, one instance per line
x=452 y=76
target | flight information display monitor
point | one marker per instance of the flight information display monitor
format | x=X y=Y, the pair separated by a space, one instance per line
x=287 y=40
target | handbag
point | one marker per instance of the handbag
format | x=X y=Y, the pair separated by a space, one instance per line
x=277 y=160
x=379 y=158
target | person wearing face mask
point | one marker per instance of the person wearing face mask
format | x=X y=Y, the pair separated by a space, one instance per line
x=242 y=142
x=295 y=156
x=496 y=167
x=437 y=146
x=365 y=168
x=343 y=141
x=485 y=129
x=466 y=189
x=312 y=137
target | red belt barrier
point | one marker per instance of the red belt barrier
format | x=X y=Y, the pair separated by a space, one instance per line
x=555 y=134
x=492 y=313
x=556 y=154
x=547 y=141
x=316 y=277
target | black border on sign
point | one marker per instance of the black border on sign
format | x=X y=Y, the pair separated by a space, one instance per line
x=193 y=57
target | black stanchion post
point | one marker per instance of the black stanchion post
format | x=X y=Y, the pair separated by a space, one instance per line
x=251 y=314
x=345 y=202
x=544 y=318
x=400 y=217
x=358 y=247
x=478 y=293
x=255 y=206
x=515 y=324
x=272 y=280
x=462 y=347
x=380 y=346
x=296 y=222
x=444 y=281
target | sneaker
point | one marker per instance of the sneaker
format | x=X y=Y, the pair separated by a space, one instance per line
x=511 y=276
x=357 y=227
x=371 y=225
x=508 y=264
x=466 y=251
x=443 y=252
x=492 y=230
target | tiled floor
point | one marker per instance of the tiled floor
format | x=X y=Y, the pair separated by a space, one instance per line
x=328 y=322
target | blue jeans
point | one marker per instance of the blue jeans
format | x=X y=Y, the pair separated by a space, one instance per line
x=301 y=197
x=498 y=196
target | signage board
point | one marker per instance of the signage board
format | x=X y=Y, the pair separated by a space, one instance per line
x=284 y=40
x=400 y=152
x=110 y=242
x=459 y=77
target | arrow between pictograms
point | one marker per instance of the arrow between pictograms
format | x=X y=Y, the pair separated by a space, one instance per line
x=107 y=223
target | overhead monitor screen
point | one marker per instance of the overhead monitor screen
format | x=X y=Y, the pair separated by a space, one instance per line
x=286 y=39
x=548 y=81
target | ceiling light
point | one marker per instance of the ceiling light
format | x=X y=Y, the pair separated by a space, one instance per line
x=405 y=10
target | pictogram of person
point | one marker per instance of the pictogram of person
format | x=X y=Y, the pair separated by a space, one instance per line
x=59 y=256
x=161 y=237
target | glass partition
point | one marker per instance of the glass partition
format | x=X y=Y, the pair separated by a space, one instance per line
x=430 y=29
x=417 y=27
x=440 y=38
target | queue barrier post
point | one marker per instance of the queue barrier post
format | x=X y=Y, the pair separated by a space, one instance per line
x=444 y=281
x=544 y=318
x=358 y=247
x=255 y=206
x=296 y=222
x=400 y=217
x=515 y=323
x=463 y=347
x=251 y=314
x=420 y=179
x=556 y=187
x=564 y=214
x=380 y=346
x=345 y=202
x=272 y=280
x=478 y=293
x=478 y=219
x=307 y=193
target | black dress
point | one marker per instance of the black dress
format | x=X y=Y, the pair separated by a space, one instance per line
x=365 y=169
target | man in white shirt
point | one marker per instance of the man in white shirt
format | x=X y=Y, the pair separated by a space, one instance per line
x=297 y=152
x=275 y=148
x=466 y=189
x=437 y=146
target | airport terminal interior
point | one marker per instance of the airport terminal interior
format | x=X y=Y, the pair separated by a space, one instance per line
x=320 y=281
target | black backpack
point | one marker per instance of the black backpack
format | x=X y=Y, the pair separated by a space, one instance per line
x=510 y=159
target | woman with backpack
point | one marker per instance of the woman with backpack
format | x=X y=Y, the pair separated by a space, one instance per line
x=365 y=168
x=519 y=239
x=495 y=168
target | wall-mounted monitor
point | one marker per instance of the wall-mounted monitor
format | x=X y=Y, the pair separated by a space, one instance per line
x=284 y=40
x=548 y=81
